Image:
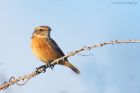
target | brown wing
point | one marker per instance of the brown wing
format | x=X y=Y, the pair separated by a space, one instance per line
x=56 y=47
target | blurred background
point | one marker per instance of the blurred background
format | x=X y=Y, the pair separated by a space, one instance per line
x=74 y=23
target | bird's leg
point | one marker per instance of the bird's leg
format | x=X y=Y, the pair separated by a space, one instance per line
x=41 y=69
x=50 y=65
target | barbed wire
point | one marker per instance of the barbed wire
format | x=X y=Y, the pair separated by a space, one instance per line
x=41 y=69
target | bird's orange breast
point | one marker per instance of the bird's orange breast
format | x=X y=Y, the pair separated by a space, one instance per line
x=43 y=49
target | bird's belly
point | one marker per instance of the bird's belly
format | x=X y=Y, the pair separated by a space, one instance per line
x=44 y=51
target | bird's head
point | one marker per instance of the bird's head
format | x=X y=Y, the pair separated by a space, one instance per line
x=42 y=31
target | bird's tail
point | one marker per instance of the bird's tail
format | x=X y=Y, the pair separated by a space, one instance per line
x=66 y=63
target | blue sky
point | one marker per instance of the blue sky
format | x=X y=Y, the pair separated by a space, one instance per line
x=75 y=23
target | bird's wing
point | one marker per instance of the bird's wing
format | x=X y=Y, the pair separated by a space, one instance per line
x=56 y=47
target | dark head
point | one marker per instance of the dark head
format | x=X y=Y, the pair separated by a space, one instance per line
x=42 y=31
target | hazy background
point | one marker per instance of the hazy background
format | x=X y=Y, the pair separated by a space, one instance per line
x=74 y=23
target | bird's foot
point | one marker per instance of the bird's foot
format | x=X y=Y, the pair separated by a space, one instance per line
x=50 y=66
x=41 y=69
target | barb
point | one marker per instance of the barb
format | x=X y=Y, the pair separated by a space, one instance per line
x=85 y=55
x=41 y=69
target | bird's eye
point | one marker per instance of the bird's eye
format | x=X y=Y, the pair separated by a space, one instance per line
x=40 y=29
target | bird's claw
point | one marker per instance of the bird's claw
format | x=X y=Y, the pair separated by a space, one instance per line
x=50 y=66
x=41 y=69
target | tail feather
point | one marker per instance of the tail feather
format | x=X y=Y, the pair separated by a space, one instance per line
x=72 y=67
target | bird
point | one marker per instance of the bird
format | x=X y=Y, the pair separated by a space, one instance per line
x=46 y=49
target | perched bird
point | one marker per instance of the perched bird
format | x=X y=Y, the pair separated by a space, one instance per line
x=46 y=49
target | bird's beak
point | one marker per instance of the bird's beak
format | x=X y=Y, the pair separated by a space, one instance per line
x=50 y=29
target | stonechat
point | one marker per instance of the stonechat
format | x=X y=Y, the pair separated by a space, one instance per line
x=46 y=49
